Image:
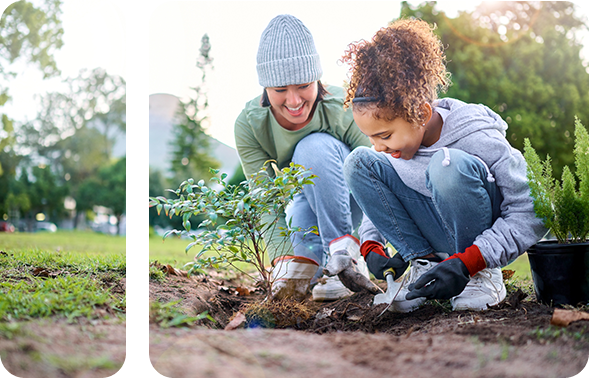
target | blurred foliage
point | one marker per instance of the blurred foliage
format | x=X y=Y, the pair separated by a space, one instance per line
x=519 y=57
x=71 y=138
x=190 y=147
x=30 y=33
x=111 y=189
x=93 y=99
x=522 y=59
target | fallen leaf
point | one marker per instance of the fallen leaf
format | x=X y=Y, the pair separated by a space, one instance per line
x=507 y=273
x=40 y=272
x=563 y=318
x=171 y=271
x=242 y=291
x=236 y=322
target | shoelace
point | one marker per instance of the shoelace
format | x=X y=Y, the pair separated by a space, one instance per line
x=479 y=279
x=414 y=272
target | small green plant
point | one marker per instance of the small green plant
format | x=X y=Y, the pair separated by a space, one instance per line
x=250 y=212
x=563 y=208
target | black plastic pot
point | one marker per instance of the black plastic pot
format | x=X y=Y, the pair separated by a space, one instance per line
x=560 y=272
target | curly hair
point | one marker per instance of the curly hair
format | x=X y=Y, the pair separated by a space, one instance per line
x=402 y=68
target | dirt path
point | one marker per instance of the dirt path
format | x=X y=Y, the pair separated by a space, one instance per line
x=102 y=350
x=345 y=338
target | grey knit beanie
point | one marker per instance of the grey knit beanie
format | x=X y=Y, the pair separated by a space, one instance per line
x=287 y=54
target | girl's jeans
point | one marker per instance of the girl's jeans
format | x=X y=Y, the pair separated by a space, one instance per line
x=463 y=203
x=328 y=204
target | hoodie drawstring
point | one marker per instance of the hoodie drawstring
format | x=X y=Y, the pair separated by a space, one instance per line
x=446 y=162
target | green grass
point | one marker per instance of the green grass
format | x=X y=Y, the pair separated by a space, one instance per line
x=68 y=275
x=521 y=266
x=35 y=284
x=66 y=241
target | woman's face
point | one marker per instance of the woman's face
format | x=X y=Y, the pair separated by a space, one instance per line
x=292 y=105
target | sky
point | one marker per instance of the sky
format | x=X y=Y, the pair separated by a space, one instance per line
x=154 y=45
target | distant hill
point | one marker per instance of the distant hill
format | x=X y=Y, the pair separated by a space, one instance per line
x=162 y=110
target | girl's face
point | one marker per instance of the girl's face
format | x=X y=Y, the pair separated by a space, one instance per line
x=398 y=138
x=292 y=105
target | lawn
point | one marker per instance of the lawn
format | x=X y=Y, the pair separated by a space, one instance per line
x=171 y=251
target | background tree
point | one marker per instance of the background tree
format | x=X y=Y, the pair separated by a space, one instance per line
x=190 y=147
x=111 y=189
x=522 y=59
x=45 y=191
x=29 y=33
x=74 y=131
x=92 y=99
x=15 y=196
x=78 y=163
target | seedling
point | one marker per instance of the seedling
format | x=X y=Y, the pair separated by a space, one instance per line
x=238 y=218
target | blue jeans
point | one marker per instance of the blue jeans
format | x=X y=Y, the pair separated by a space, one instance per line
x=463 y=203
x=327 y=204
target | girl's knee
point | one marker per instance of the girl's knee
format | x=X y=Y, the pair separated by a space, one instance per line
x=356 y=161
x=448 y=168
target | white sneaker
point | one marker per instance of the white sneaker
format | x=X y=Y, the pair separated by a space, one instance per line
x=417 y=269
x=486 y=288
x=352 y=246
x=330 y=289
x=291 y=276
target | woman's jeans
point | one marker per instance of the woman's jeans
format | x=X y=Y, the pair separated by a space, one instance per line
x=327 y=204
x=463 y=203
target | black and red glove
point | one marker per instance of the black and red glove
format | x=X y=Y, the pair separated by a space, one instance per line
x=448 y=278
x=378 y=260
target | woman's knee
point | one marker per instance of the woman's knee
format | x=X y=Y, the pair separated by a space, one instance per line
x=314 y=147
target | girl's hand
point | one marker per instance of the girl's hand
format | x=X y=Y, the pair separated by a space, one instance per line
x=444 y=281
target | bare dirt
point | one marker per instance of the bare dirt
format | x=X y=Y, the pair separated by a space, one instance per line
x=346 y=338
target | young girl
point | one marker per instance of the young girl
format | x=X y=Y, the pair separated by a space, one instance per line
x=441 y=183
x=299 y=119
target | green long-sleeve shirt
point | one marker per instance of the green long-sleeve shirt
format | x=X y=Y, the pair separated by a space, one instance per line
x=259 y=137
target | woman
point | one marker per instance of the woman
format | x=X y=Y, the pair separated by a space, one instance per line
x=299 y=119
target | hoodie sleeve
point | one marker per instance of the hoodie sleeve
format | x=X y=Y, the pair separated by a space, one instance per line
x=517 y=228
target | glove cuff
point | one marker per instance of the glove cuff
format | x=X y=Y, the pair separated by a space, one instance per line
x=372 y=246
x=472 y=258
x=294 y=267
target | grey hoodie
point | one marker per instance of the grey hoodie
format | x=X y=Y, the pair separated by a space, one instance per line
x=479 y=131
